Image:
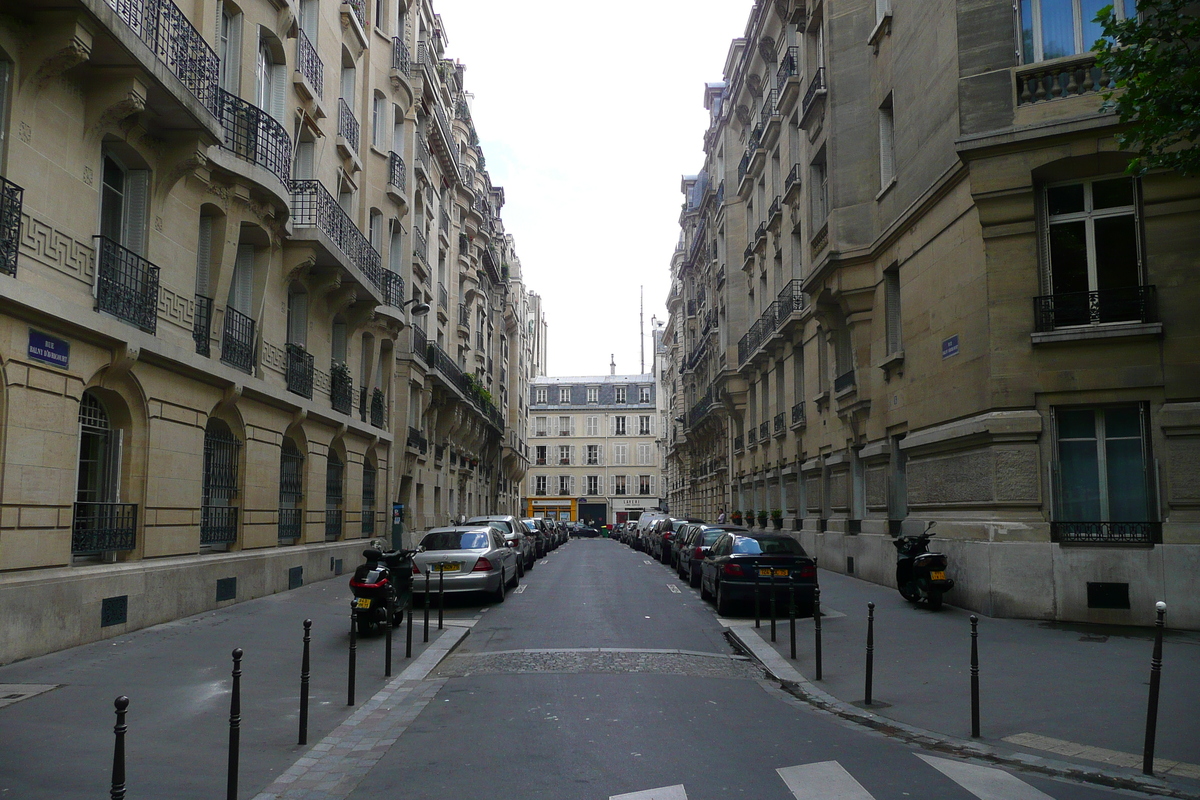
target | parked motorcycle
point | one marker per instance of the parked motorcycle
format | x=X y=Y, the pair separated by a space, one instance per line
x=386 y=576
x=920 y=574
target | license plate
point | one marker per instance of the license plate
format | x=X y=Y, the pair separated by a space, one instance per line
x=937 y=575
x=363 y=602
x=765 y=572
x=447 y=567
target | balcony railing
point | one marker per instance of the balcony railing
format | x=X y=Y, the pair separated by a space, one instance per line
x=770 y=101
x=341 y=388
x=844 y=381
x=752 y=436
x=444 y=223
x=790 y=300
x=377 y=408
x=423 y=154
x=11 y=201
x=359 y=7
x=103 y=527
x=816 y=88
x=401 y=61
x=1077 y=309
x=798 y=414
x=168 y=32
x=464 y=315
x=764 y=431
x=1106 y=533
x=291 y=524
x=443 y=297
x=218 y=524
x=237 y=341
x=415 y=439
x=347 y=124
x=202 y=325
x=396 y=176
x=789 y=67
x=420 y=342
x=333 y=524
x=1055 y=80
x=309 y=63
x=299 y=371
x=739 y=444
x=255 y=136
x=393 y=289
x=421 y=248
x=127 y=285
x=778 y=425
x=314 y=207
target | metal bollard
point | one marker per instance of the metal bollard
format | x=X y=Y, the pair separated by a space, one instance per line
x=792 y=614
x=353 y=656
x=427 y=604
x=408 y=608
x=235 y=724
x=1155 y=677
x=387 y=644
x=441 y=593
x=974 y=676
x=817 y=630
x=118 y=768
x=757 y=610
x=870 y=651
x=304 y=668
x=772 y=586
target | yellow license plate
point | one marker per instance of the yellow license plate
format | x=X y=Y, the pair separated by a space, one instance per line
x=937 y=575
x=766 y=573
x=447 y=567
x=363 y=602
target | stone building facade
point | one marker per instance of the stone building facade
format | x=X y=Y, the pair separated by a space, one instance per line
x=594 y=445
x=219 y=225
x=942 y=300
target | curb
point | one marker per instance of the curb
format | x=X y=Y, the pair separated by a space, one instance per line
x=795 y=684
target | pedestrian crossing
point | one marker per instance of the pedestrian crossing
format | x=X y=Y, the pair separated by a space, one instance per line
x=829 y=780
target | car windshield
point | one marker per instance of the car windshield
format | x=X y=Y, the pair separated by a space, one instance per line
x=456 y=540
x=744 y=545
x=500 y=524
x=711 y=536
x=529 y=525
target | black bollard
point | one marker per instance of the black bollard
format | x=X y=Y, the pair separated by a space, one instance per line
x=387 y=644
x=870 y=651
x=757 y=609
x=817 y=630
x=441 y=593
x=408 y=605
x=974 y=676
x=304 y=667
x=792 y=613
x=118 y=769
x=427 y=604
x=772 y=586
x=1155 y=677
x=235 y=725
x=353 y=656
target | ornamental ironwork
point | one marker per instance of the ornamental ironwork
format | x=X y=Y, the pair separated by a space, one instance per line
x=309 y=63
x=11 y=201
x=314 y=207
x=1074 y=309
x=255 y=136
x=202 y=325
x=789 y=67
x=237 y=341
x=1106 y=532
x=341 y=387
x=299 y=370
x=127 y=285
x=103 y=527
x=396 y=175
x=348 y=127
x=401 y=61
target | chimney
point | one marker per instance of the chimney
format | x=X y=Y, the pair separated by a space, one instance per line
x=612 y=367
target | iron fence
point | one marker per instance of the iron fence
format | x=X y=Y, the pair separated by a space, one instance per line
x=309 y=63
x=102 y=527
x=202 y=325
x=218 y=524
x=1072 y=309
x=299 y=371
x=1106 y=533
x=314 y=207
x=237 y=342
x=348 y=127
x=127 y=285
x=255 y=136
x=11 y=202
x=401 y=61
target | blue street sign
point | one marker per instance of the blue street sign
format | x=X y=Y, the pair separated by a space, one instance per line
x=48 y=349
x=950 y=346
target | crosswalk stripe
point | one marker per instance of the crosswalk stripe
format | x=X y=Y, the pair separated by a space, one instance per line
x=665 y=793
x=986 y=783
x=824 y=780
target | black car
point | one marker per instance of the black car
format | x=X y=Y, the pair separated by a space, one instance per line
x=585 y=531
x=740 y=565
x=693 y=544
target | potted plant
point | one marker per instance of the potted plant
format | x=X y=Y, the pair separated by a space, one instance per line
x=736 y=517
x=777 y=518
x=762 y=519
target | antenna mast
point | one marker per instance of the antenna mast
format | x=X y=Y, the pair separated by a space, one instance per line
x=642 y=325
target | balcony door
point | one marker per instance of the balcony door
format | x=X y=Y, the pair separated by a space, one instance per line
x=123 y=194
x=99 y=469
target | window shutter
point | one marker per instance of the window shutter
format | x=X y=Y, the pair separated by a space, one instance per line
x=887 y=155
x=116 y=442
x=338 y=341
x=1047 y=269
x=234 y=72
x=532 y=485
x=553 y=423
x=653 y=425
x=304 y=160
x=241 y=289
x=602 y=455
x=572 y=479
x=297 y=318
x=630 y=486
x=279 y=83
x=891 y=280
x=203 y=256
x=612 y=485
x=572 y=456
x=572 y=428
x=653 y=485
x=612 y=426
x=137 y=183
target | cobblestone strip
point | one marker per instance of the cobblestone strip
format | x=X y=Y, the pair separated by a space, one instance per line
x=335 y=765
x=601 y=660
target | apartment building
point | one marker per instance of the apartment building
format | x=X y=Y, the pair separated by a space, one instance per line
x=595 y=455
x=257 y=304
x=936 y=297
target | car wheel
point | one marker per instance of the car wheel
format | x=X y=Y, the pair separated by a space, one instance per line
x=724 y=604
x=516 y=581
x=520 y=568
x=529 y=564
x=704 y=593
x=498 y=596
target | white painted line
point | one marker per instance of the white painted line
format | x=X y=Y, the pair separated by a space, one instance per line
x=519 y=589
x=544 y=561
x=647 y=561
x=824 y=780
x=674 y=589
x=665 y=793
x=986 y=783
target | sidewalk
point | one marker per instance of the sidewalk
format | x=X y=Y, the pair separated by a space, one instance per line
x=59 y=742
x=1070 y=692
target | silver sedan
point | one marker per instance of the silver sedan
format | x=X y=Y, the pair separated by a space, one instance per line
x=466 y=558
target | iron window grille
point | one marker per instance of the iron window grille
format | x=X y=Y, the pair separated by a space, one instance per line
x=299 y=371
x=309 y=63
x=11 y=201
x=314 y=207
x=255 y=136
x=102 y=527
x=368 y=501
x=377 y=408
x=341 y=387
x=291 y=493
x=363 y=396
x=237 y=342
x=334 y=481
x=202 y=325
x=218 y=515
x=126 y=285
x=348 y=127
x=1073 y=309
x=393 y=289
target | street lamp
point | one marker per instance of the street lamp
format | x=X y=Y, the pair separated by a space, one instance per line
x=418 y=309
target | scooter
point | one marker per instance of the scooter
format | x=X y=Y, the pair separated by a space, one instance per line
x=920 y=574
x=387 y=576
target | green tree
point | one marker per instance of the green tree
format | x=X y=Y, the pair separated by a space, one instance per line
x=1155 y=64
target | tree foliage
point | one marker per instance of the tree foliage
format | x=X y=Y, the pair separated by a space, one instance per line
x=1155 y=64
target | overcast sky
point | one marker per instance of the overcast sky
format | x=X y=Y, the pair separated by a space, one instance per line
x=589 y=114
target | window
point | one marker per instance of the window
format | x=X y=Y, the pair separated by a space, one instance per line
x=539 y=426
x=593 y=485
x=644 y=425
x=820 y=193
x=593 y=394
x=620 y=454
x=564 y=395
x=1103 y=476
x=593 y=455
x=619 y=484
x=618 y=426
x=644 y=394
x=1094 y=269
x=643 y=484
x=891 y=288
x=539 y=485
x=123 y=200
x=565 y=485
x=592 y=426
x=644 y=454
x=564 y=454
x=291 y=492
x=619 y=394
x=887 y=144
x=379 y=122
x=1058 y=28
x=335 y=476
x=541 y=455
x=539 y=395
x=219 y=487
x=229 y=48
x=566 y=426
x=375 y=229
x=368 y=499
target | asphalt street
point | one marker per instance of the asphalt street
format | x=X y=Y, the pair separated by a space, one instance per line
x=602 y=676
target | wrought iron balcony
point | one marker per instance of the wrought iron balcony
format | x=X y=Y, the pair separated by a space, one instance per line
x=393 y=289
x=844 y=381
x=1078 y=309
x=348 y=127
x=378 y=403
x=444 y=223
x=127 y=285
x=443 y=297
x=752 y=436
x=760 y=233
x=309 y=63
x=314 y=207
x=743 y=166
x=719 y=200
x=299 y=371
x=789 y=67
x=401 y=62
x=218 y=524
x=464 y=315
x=291 y=524
x=237 y=342
x=103 y=527
x=739 y=444
x=341 y=388
x=768 y=108
x=421 y=249
x=359 y=7
x=798 y=414
x=11 y=201
x=396 y=176
x=764 y=431
x=1106 y=533
x=423 y=154
x=816 y=88
x=333 y=524
x=415 y=439
x=778 y=425
x=776 y=210
x=420 y=342
x=202 y=325
x=255 y=136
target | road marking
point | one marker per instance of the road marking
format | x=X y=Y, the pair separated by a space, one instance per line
x=986 y=783
x=674 y=589
x=648 y=561
x=544 y=561
x=665 y=793
x=1115 y=757
x=519 y=589
x=824 y=780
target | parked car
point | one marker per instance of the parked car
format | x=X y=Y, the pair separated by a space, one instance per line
x=586 y=531
x=516 y=536
x=740 y=565
x=466 y=558
x=693 y=544
x=538 y=531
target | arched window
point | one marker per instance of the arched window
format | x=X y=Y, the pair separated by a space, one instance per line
x=335 y=479
x=218 y=509
x=291 y=493
x=101 y=521
x=368 y=498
